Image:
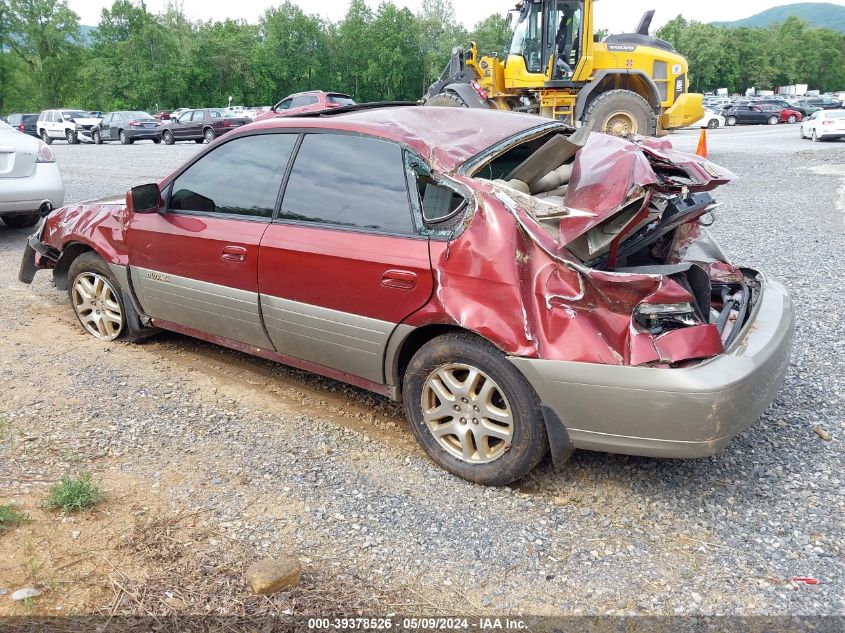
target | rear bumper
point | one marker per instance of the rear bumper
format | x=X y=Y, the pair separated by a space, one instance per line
x=688 y=412
x=143 y=134
x=26 y=195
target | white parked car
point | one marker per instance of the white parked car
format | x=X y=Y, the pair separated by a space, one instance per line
x=824 y=125
x=30 y=182
x=70 y=125
x=710 y=119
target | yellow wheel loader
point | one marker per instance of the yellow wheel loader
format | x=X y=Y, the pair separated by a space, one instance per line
x=626 y=84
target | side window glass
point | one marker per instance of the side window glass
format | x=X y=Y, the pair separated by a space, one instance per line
x=349 y=181
x=437 y=201
x=214 y=114
x=312 y=100
x=199 y=115
x=284 y=105
x=185 y=117
x=241 y=177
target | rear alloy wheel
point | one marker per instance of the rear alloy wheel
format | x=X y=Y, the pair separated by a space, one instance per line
x=472 y=411
x=46 y=137
x=124 y=140
x=731 y=121
x=792 y=118
x=70 y=137
x=21 y=221
x=713 y=124
x=209 y=134
x=773 y=120
x=167 y=137
x=98 y=140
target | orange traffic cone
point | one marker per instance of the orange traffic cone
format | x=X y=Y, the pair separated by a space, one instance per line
x=702 y=143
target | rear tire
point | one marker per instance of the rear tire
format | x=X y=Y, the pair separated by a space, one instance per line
x=446 y=100
x=167 y=137
x=791 y=118
x=773 y=120
x=815 y=137
x=209 y=134
x=124 y=140
x=730 y=121
x=46 y=137
x=620 y=113
x=491 y=430
x=21 y=221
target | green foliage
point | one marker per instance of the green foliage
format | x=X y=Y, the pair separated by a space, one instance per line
x=74 y=494
x=9 y=517
x=134 y=59
x=741 y=58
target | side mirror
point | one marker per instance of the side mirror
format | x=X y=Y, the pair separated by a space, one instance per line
x=144 y=199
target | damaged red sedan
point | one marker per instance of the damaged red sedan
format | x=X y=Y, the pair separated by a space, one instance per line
x=520 y=287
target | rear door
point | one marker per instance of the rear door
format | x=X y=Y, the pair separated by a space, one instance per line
x=195 y=264
x=343 y=264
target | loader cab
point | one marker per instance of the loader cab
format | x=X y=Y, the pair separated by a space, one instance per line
x=548 y=39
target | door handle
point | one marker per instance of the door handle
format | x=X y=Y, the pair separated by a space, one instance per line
x=233 y=254
x=403 y=279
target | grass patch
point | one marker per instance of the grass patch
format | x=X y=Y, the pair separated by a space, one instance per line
x=9 y=517
x=74 y=494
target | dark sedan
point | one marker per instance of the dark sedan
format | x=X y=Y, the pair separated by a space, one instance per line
x=204 y=124
x=126 y=127
x=25 y=123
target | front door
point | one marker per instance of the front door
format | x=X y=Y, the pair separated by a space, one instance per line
x=344 y=263
x=182 y=125
x=195 y=264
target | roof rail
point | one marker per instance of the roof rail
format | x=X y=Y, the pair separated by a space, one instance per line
x=354 y=108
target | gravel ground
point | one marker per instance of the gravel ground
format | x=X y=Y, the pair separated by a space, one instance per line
x=280 y=461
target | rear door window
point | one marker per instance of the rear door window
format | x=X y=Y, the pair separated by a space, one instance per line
x=303 y=100
x=349 y=181
x=241 y=177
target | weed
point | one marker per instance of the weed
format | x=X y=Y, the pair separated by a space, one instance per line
x=9 y=517
x=74 y=494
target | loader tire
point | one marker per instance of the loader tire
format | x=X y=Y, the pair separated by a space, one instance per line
x=447 y=100
x=621 y=112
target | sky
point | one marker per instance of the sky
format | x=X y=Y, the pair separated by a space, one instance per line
x=615 y=15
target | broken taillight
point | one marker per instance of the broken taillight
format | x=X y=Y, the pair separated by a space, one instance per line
x=663 y=317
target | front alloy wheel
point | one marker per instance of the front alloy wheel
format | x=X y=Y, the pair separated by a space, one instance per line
x=96 y=305
x=467 y=413
x=70 y=137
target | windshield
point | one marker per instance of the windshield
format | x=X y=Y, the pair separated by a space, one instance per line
x=528 y=37
x=137 y=115
x=75 y=114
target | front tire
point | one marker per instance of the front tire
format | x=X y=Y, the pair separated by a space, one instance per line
x=621 y=113
x=446 y=100
x=815 y=137
x=472 y=411
x=71 y=138
x=199 y=140
x=99 y=302
x=21 y=221
x=730 y=121
x=98 y=140
x=156 y=140
x=791 y=118
x=167 y=136
x=713 y=124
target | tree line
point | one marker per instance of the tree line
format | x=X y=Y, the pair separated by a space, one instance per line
x=739 y=58
x=134 y=59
